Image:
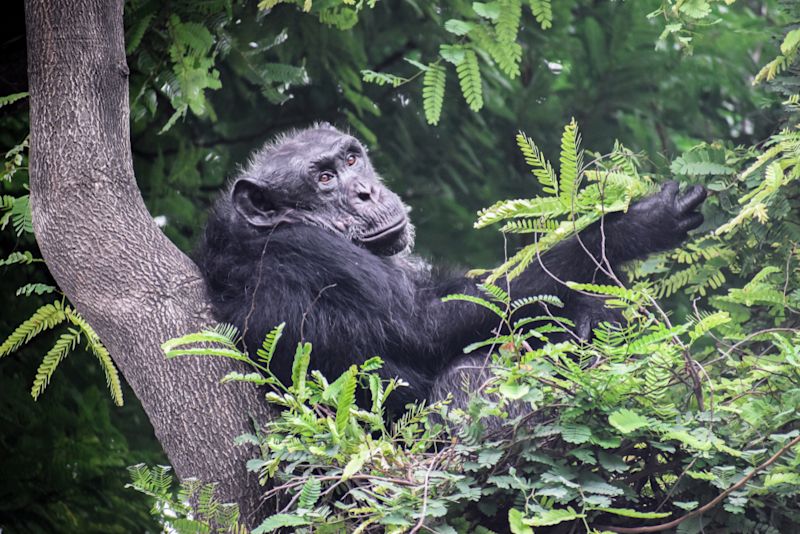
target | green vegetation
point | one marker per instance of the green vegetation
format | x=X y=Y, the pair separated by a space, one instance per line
x=688 y=413
x=686 y=421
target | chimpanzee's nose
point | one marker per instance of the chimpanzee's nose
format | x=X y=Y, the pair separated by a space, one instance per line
x=366 y=191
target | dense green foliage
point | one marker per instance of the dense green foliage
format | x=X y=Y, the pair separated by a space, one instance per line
x=664 y=415
x=689 y=420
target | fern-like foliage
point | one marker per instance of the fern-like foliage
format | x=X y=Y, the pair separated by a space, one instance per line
x=488 y=33
x=606 y=290
x=469 y=76
x=543 y=11
x=99 y=350
x=494 y=292
x=269 y=345
x=540 y=167
x=657 y=378
x=433 y=87
x=25 y=258
x=507 y=26
x=346 y=400
x=45 y=318
x=382 y=78
x=63 y=346
x=310 y=493
x=35 y=289
x=302 y=358
x=570 y=204
x=529 y=226
x=10 y=99
x=48 y=317
x=571 y=164
x=787 y=57
x=17 y=211
x=190 y=508
x=708 y=322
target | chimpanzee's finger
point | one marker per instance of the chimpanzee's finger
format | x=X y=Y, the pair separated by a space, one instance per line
x=584 y=328
x=693 y=197
x=670 y=189
x=690 y=222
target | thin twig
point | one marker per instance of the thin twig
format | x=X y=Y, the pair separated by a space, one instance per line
x=711 y=504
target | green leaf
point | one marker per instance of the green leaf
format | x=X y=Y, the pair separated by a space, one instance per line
x=553 y=517
x=541 y=167
x=788 y=46
x=45 y=318
x=627 y=512
x=346 y=400
x=458 y=27
x=63 y=346
x=101 y=353
x=208 y=351
x=571 y=165
x=19 y=257
x=452 y=53
x=605 y=290
x=546 y=207
x=277 y=521
x=612 y=462
x=543 y=11
x=507 y=25
x=697 y=9
x=575 y=433
x=489 y=457
x=487 y=10
x=302 y=358
x=382 y=78
x=205 y=336
x=309 y=494
x=774 y=479
x=514 y=390
x=10 y=99
x=626 y=421
x=689 y=440
x=267 y=350
x=600 y=487
x=469 y=76
x=355 y=463
x=136 y=33
x=39 y=289
x=494 y=292
x=516 y=522
x=475 y=300
x=433 y=87
x=252 y=378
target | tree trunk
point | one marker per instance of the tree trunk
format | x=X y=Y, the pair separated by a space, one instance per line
x=109 y=257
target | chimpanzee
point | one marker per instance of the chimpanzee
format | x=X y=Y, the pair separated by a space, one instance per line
x=307 y=233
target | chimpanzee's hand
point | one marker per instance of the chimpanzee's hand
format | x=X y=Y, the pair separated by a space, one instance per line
x=661 y=221
x=588 y=311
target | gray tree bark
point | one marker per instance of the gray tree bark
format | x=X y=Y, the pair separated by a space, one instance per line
x=106 y=253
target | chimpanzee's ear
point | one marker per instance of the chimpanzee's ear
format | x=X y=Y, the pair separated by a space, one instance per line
x=252 y=201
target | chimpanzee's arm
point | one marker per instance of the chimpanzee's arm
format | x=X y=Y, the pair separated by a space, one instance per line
x=657 y=223
x=653 y=224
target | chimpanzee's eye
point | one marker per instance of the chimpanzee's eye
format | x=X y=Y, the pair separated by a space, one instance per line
x=351 y=159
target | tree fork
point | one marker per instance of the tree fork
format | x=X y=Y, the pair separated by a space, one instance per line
x=107 y=254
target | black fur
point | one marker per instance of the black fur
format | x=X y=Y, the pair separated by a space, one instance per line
x=281 y=247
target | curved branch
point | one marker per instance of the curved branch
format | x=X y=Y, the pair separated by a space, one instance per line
x=710 y=504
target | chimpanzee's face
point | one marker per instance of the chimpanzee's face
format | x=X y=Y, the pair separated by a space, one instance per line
x=322 y=176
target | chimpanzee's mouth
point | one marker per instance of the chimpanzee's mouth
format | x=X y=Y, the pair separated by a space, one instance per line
x=386 y=234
